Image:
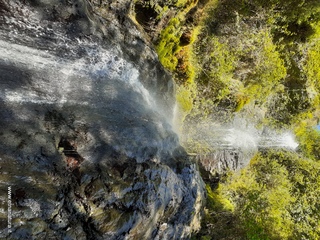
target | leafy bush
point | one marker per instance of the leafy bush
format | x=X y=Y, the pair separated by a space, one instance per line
x=216 y=70
x=239 y=69
x=312 y=65
x=277 y=196
x=309 y=139
x=219 y=221
x=185 y=96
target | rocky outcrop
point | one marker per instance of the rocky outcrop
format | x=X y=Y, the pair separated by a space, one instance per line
x=223 y=160
x=86 y=147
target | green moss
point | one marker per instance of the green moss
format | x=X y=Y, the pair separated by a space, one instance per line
x=185 y=96
x=216 y=201
x=242 y=100
x=161 y=11
x=169 y=44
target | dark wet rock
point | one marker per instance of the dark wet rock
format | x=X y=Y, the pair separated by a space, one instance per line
x=86 y=144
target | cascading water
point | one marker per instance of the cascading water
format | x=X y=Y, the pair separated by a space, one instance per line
x=99 y=80
x=231 y=146
x=283 y=139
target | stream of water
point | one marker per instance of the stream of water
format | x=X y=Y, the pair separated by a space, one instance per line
x=222 y=146
x=239 y=135
x=98 y=83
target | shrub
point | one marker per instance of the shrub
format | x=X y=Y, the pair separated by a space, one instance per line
x=309 y=139
x=277 y=196
x=218 y=63
x=185 y=96
x=312 y=66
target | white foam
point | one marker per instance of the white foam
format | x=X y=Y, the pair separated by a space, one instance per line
x=63 y=76
x=238 y=135
x=285 y=140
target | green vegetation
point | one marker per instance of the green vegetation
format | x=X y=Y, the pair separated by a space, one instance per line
x=169 y=45
x=312 y=65
x=250 y=53
x=309 y=139
x=232 y=57
x=265 y=54
x=275 y=197
x=240 y=70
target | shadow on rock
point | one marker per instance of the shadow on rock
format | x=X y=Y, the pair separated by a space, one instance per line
x=86 y=156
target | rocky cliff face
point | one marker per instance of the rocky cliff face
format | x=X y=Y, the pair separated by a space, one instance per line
x=86 y=145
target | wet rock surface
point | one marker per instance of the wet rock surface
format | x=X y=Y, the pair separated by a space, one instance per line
x=223 y=160
x=86 y=145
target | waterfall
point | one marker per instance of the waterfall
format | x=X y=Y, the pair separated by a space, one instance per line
x=231 y=146
x=64 y=76
x=284 y=139
x=100 y=80
x=86 y=116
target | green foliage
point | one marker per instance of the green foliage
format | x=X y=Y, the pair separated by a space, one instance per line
x=177 y=56
x=241 y=101
x=267 y=69
x=161 y=11
x=304 y=176
x=248 y=67
x=169 y=44
x=290 y=20
x=288 y=106
x=271 y=66
x=222 y=61
x=258 y=204
x=185 y=96
x=277 y=196
x=218 y=215
x=216 y=201
x=217 y=69
x=205 y=238
x=309 y=141
x=312 y=65
x=265 y=53
x=293 y=10
x=242 y=59
x=181 y=3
